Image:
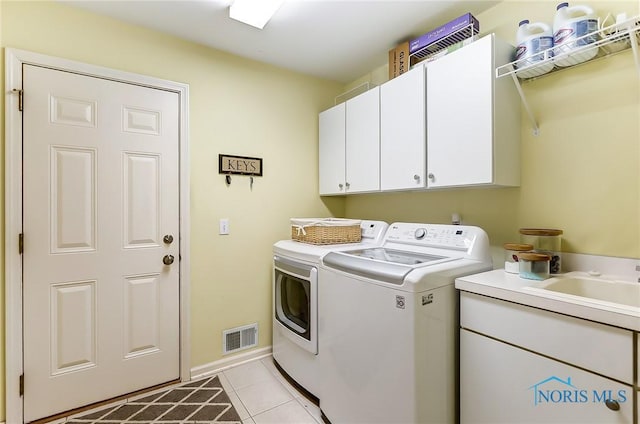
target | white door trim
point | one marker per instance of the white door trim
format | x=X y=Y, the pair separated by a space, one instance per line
x=14 y=59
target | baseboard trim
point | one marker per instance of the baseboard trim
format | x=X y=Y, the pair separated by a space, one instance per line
x=215 y=367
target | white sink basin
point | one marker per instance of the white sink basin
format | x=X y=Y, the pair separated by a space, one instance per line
x=608 y=291
x=593 y=290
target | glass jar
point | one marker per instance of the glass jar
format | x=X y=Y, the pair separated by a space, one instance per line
x=511 y=251
x=545 y=240
x=533 y=266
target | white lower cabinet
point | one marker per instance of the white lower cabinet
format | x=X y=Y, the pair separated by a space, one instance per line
x=520 y=364
x=501 y=383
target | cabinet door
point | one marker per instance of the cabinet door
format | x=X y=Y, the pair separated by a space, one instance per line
x=460 y=116
x=500 y=383
x=332 y=150
x=402 y=131
x=363 y=142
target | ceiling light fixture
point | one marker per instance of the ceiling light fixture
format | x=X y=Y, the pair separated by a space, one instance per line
x=254 y=12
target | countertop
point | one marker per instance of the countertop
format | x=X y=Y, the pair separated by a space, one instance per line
x=510 y=287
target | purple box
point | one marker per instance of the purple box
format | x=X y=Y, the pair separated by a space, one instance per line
x=458 y=29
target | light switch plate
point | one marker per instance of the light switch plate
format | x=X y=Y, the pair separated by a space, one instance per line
x=224 y=226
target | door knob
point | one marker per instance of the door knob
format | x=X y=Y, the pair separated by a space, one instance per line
x=168 y=239
x=612 y=404
x=168 y=259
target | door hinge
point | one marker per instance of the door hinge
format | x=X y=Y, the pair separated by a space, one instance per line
x=21 y=384
x=20 y=98
x=21 y=243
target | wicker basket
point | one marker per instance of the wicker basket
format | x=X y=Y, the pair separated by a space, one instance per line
x=325 y=230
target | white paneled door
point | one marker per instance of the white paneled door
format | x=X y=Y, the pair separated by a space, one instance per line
x=101 y=296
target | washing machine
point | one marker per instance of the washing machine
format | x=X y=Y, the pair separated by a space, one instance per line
x=295 y=303
x=389 y=322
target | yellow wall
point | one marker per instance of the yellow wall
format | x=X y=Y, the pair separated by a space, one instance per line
x=581 y=174
x=2 y=322
x=237 y=107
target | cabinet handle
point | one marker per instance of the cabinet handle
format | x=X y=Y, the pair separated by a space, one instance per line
x=612 y=404
x=416 y=177
x=347 y=185
x=431 y=177
x=340 y=186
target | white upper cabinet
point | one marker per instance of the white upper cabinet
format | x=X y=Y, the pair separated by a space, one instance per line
x=332 y=150
x=447 y=123
x=350 y=146
x=363 y=142
x=473 y=120
x=402 y=131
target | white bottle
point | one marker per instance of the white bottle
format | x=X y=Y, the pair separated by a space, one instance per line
x=535 y=42
x=570 y=28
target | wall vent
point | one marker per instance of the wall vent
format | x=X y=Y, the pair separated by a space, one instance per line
x=239 y=338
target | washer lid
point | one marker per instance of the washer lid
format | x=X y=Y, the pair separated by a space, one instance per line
x=394 y=256
x=378 y=263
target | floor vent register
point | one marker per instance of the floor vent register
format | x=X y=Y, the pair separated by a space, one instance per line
x=239 y=338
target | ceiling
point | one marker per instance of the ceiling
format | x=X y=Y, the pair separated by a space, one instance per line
x=339 y=40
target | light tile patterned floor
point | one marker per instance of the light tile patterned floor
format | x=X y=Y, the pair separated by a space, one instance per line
x=261 y=395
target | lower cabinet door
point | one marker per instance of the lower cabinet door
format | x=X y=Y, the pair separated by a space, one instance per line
x=500 y=383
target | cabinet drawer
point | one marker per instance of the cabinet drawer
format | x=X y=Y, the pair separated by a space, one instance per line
x=597 y=347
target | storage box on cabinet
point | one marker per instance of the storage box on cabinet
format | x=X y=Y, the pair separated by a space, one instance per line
x=350 y=146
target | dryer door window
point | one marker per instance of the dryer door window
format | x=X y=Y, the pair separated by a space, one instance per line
x=293 y=303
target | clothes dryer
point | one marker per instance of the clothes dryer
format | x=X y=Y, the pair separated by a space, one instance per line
x=295 y=303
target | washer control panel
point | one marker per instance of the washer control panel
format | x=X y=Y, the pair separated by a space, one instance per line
x=373 y=231
x=435 y=235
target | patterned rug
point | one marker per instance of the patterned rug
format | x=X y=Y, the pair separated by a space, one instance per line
x=202 y=401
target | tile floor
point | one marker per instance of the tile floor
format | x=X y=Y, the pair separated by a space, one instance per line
x=261 y=395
